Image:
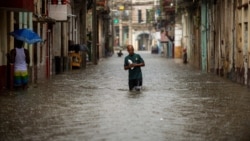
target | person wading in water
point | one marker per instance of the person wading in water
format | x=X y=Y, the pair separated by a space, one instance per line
x=20 y=59
x=133 y=63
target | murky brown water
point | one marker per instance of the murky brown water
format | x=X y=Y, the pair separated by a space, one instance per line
x=177 y=103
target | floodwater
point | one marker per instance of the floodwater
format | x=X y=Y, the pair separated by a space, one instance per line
x=177 y=103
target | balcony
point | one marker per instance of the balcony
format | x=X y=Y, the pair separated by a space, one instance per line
x=18 y=5
x=59 y=2
x=59 y=9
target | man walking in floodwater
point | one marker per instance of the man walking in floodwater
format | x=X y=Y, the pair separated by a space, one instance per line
x=133 y=62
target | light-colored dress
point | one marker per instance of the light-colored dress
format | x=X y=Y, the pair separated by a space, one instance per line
x=20 y=68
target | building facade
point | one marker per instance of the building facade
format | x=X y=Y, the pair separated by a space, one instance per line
x=58 y=22
x=133 y=23
x=216 y=35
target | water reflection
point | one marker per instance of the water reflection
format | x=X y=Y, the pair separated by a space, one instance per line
x=135 y=94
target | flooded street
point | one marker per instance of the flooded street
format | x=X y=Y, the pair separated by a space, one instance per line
x=177 y=103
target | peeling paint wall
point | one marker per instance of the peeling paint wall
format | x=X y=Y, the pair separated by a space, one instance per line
x=227 y=42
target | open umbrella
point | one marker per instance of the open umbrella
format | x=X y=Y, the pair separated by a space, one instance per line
x=26 y=35
x=78 y=47
x=84 y=48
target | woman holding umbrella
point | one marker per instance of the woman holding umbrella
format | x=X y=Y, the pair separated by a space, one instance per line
x=20 y=58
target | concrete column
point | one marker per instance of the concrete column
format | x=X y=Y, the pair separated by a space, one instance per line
x=204 y=35
x=64 y=53
x=39 y=44
x=28 y=23
x=83 y=31
x=1 y=28
x=83 y=25
x=130 y=29
x=3 y=39
x=25 y=25
x=245 y=32
x=235 y=23
x=64 y=39
x=25 y=20
x=37 y=64
x=131 y=22
x=247 y=50
x=132 y=37
x=20 y=14
x=11 y=28
x=136 y=45
x=30 y=26
x=120 y=33
x=241 y=56
x=94 y=33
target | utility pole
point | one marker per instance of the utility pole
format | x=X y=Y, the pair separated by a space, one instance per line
x=94 y=33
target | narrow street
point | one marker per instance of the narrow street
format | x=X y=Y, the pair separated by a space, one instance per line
x=177 y=103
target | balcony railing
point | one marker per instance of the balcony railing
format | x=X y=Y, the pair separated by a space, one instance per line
x=18 y=5
x=59 y=9
x=59 y=2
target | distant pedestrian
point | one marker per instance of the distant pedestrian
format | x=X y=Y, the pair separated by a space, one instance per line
x=20 y=59
x=133 y=62
x=120 y=53
x=143 y=47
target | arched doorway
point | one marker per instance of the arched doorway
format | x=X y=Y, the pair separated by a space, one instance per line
x=144 y=41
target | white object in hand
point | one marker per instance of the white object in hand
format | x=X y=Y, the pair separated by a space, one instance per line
x=130 y=62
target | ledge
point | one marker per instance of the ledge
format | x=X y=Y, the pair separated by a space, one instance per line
x=245 y=5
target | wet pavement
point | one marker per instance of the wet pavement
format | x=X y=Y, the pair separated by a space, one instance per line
x=177 y=103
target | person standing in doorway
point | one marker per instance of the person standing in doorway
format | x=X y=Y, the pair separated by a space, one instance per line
x=20 y=59
x=133 y=63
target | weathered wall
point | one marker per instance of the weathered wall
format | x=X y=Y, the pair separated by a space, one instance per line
x=227 y=41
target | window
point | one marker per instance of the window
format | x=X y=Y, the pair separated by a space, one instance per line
x=43 y=7
x=139 y=16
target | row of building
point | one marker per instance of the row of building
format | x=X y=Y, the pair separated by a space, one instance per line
x=60 y=23
x=216 y=35
x=213 y=32
x=144 y=24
